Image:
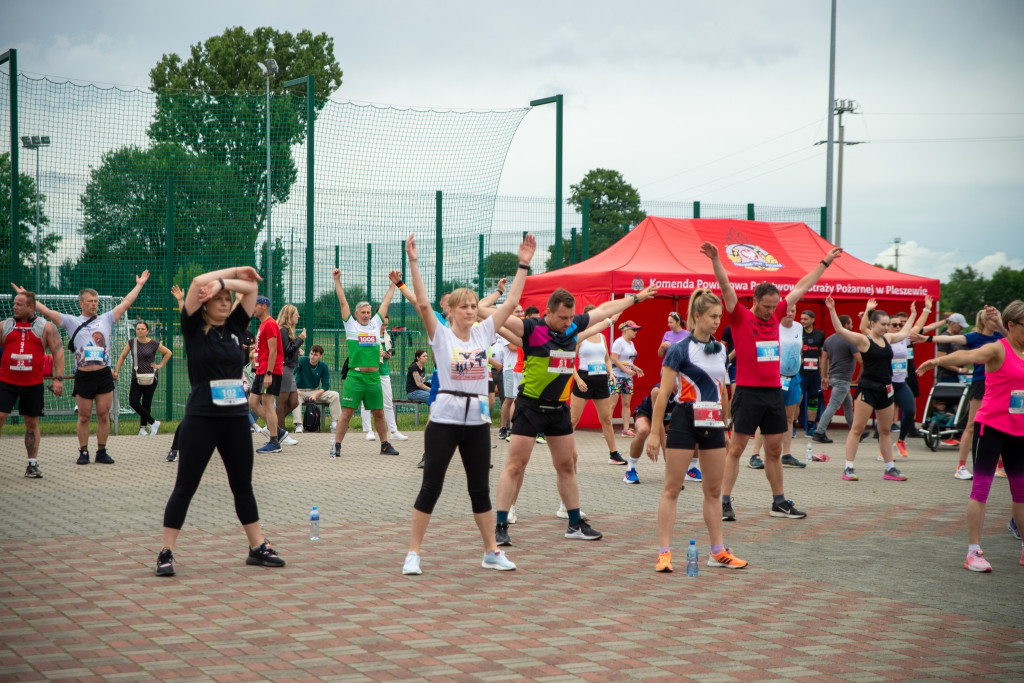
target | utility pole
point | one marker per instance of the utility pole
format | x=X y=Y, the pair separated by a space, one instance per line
x=896 y=241
x=840 y=107
x=831 y=106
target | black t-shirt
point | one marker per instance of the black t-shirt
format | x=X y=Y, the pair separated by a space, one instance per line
x=810 y=354
x=727 y=340
x=943 y=374
x=213 y=355
x=410 y=383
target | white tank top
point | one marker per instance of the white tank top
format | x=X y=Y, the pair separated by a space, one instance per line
x=592 y=356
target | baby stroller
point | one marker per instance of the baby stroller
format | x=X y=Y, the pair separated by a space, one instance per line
x=945 y=413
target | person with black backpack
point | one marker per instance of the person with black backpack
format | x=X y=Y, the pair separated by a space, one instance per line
x=313 y=378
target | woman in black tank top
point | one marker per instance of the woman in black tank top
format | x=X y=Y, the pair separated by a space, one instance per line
x=875 y=392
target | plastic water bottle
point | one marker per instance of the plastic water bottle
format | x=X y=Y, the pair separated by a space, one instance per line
x=314 y=524
x=810 y=455
x=691 y=558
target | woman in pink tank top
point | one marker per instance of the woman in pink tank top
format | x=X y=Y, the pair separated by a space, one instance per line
x=999 y=425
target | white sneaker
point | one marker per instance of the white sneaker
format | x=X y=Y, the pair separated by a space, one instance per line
x=512 y=519
x=497 y=560
x=398 y=436
x=143 y=431
x=962 y=473
x=154 y=428
x=264 y=432
x=288 y=441
x=370 y=436
x=412 y=564
x=334 y=427
x=298 y=429
x=562 y=512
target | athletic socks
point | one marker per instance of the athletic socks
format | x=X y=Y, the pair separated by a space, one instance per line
x=664 y=549
x=972 y=547
x=890 y=465
x=849 y=464
x=502 y=516
x=32 y=461
x=779 y=499
x=694 y=462
x=715 y=549
x=574 y=516
x=632 y=463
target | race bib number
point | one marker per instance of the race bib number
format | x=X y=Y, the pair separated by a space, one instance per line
x=767 y=351
x=597 y=369
x=367 y=339
x=811 y=364
x=888 y=391
x=899 y=365
x=785 y=382
x=560 y=362
x=21 y=362
x=1017 y=402
x=910 y=353
x=708 y=414
x=227 y=392
x=92 y=354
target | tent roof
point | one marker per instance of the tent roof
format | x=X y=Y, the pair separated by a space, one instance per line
x=667 y=252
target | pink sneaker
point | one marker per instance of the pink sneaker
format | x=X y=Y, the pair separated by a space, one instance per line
x=1022 y=556
x=628 y=433
x=977 y=563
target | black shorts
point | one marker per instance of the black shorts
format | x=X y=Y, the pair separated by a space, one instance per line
x=260 y=388
x=977 y=391
x=763 y=407
x=596 y=389
x=93 y=383
x=879 y=399
x=683 y=435
x=646 y=409
x=496 y=384
x=529 y=420
x=29 y=399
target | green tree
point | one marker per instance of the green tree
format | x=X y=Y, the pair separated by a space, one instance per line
x=280 y=260
x=500 y=264
x=964 y=292
x=1005 y=285
x=29 y=199
x=614 y=209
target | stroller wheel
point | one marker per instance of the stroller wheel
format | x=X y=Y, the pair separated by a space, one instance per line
x=932 y=438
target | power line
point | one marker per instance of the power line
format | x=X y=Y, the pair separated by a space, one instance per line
x=815 y=155
x=1008 y=138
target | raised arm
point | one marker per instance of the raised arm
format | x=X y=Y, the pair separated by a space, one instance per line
x=179 y=295
x=241 y=280
x=51 y=315
x=502 y=312
x=406 y=290
x=728 y=293
x=895 y=338
x=809 y=280
x=991 y=355
x=959 y=339
x=422 y=301
x=610 y=308
x=855 y=338
x=597 y=328
x=493 y=297
x=346 y=312
x=131 y=296
x=919 y=323
x=865 y=316
x=51 y=337
x=386 y=302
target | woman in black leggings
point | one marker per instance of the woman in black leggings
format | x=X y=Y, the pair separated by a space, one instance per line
x=461 y=414
x=216 y=413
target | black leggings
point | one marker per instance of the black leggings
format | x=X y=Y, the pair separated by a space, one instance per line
x=174 y=441
x=908 y=407
x=140 y=398
x=199 y=436
x=474 y=444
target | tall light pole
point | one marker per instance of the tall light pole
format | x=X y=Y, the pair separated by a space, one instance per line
x=35 y=142
x=557 y=101
x=269 y=68
x=831 y=105
x=840 y=107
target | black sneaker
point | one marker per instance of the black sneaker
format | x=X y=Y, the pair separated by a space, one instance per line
x=616 y=459
x=264 y=555
x=103 y=458
x=821 y=438
x=423 y=461
x=83 y=456
x=755 y=463
x=786 y=509
x=501 y=534
x=165 y=563
x=387 y=449
x=727 y=512
x=172 y=455
x=32 y=471
x=582 y=531
x=501 y=432
x=789 y=461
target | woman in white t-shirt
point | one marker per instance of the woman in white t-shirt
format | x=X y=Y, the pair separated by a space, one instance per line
x=623 y=370
x=590 y=383
x=460 y=417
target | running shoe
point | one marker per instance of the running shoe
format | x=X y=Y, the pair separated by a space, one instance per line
x=789 y=461
x=1022 y=556
x=693 y=474
x=103 y=458
x=755 y=463
x=541 y=439
x=664 y=562
x=821 y=438
x=727 y=512
x=962 y=473
x=880 y=458
x=32 y=472
x=165 y=563
x=901 y=447
x=172 y=455
x=265 y=556
x=508 y=435
x=501 y=432
x=1012 y=526
x=631 y=477
x=582 y=531
x=976 y=562
x=422 y=462
x=726 y=559
x=370 y=436
x=398 y=436
x=562 y=513
x=501 y=534
x=629 y=433
x=387 y=449
x=143 y=431
x=513 y=518
x=497 y=560
x=154 y=428
x=849 y=474
x=786 y=509
x=299 y=429
x=83 y=456
x=335 y=450
x=287 y=440
x=951 y=442
x=412 y=564
x=616 y=459
x=1000 y=472
x=893 y=474
x=269 y=447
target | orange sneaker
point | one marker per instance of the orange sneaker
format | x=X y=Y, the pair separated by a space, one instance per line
x=902 y=448
x=664 y=562
x=726 y=559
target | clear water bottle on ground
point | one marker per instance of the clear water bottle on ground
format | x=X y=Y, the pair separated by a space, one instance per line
x=314 y=524
x=691 y=558
x=810 y=455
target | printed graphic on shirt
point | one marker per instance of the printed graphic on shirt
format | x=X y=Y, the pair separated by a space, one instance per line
x=468 y=366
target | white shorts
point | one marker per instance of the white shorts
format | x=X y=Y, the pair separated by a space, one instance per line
x=511 y=380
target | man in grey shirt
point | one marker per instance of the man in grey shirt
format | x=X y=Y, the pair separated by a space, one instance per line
x=836 y=367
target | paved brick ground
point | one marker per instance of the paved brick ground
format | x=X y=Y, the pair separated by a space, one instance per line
x=869 y=587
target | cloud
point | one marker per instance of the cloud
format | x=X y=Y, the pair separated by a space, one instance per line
x=921 y=260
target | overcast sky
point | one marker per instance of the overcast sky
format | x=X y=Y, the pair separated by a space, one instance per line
x=713 y=101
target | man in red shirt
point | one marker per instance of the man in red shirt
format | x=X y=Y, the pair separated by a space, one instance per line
x=266 y=385
x=758 y=400
x=22 y=340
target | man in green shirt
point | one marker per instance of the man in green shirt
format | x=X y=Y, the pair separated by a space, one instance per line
x=362 y=336
x=313 y=380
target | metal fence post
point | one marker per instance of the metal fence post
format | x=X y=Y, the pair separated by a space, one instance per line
x=369 y=272
x=585 y=246
x=480 y=267
x=696 y=209
x=170 y=310
x=750 y=212
x=14 y=267
x=438 y=249
x=401 y=249
x=823 y=227
x=337 y=343
x=572 y=245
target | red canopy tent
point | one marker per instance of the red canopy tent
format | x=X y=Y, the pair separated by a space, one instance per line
x=666 y=251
